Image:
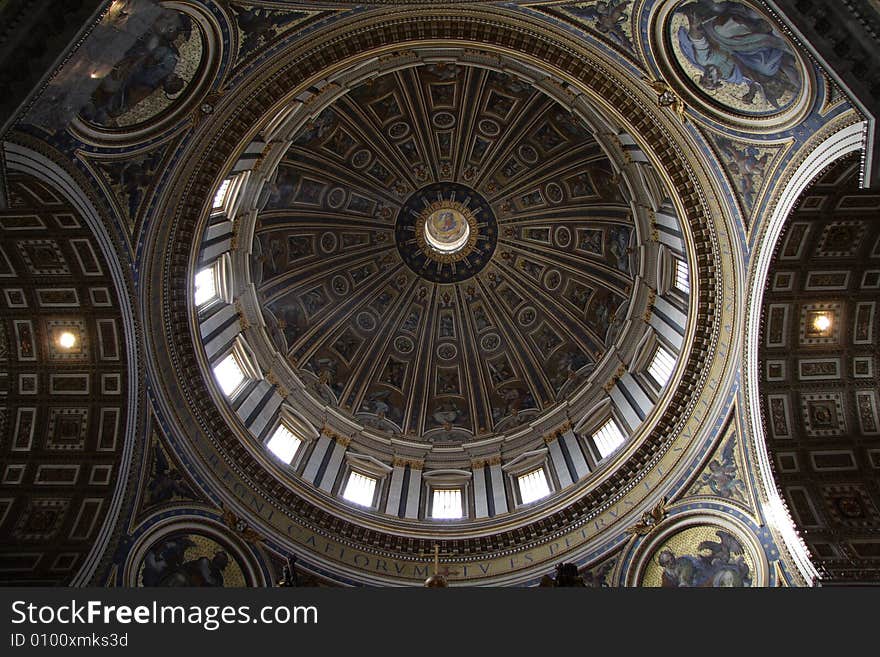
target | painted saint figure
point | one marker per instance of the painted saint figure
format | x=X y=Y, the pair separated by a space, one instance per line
x=731 y=42
x=608 y=16
x=148 y=66
x=723 y=566
x=166 y=564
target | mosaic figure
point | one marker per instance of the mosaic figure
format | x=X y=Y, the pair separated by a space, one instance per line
x=166 y=483
x=723 y=478
x=172 y=563
x=609 y=17
x=149 y=66
x=722 y=565
x=731 y=43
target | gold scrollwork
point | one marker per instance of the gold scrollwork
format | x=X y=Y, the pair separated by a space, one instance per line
x=650 y=520
x=240 y=527
x=666 y=97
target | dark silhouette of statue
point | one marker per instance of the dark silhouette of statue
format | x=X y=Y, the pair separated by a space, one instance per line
x=566 y=575
x=288 y=573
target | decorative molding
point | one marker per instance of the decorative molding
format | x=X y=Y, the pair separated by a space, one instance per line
x=650 y=519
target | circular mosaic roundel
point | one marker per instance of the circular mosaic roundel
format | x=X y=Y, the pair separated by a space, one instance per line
x=704 y=556
x=190 y=559
x=446 y=232
x=735 y=56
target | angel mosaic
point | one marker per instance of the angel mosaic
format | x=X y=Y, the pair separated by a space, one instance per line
x=283 y=189
x=499 y=370
x=610 y=17
x=515 y=400
x=619 y=247
x=601 y=313
x=591 y=241
x=722 y=477
x=319 y=128
x=259 y=27
x=381 y=403
x=166 y=483
x=563 y=366
x=748 y=165
x=446 y=413
x=599 y=576
x=442 y=71
x=132 y=179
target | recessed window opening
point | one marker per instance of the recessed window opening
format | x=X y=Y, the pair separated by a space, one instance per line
x=220 y=196
x=206 y=286
x=446 y=504
x=682 y=280
x=229 y=375
x=608 y=438
x=661 y=366
x=533 y=486
x=360 y=489
x=284 y=444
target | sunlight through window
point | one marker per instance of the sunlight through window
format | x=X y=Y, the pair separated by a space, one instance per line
x=608 y=438
x=206 y=286
x=447 y=504
x=682 y=282
x=284 y=444
x=229 y=375
x=661 y=366
x=533 y=486
x=220 y=196
x=360 y=489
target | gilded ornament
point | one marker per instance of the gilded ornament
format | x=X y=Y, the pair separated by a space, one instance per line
x=666 y=97
x=650 y=520
x=240 y=527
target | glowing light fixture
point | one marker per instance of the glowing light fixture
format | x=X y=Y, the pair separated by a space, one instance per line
x=67 y=340
x=822 y=322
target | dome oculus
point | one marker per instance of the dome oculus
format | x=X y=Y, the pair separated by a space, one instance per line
x=447 y=228
x=446 y=232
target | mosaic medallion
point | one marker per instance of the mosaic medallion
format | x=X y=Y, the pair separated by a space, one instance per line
x=446 y=232
x=704 y=556
x=734 y=59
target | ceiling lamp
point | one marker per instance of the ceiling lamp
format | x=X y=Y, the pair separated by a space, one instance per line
x=66 y=340
x=822 y=322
